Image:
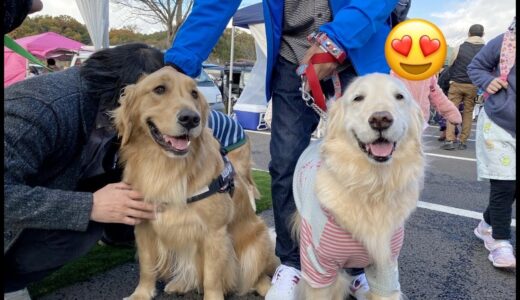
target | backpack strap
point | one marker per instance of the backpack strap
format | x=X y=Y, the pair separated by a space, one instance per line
x=507 y=54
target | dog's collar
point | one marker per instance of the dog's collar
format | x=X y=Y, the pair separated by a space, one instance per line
x=222 y=184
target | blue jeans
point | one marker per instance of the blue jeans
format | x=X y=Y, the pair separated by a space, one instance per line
x=38 y=252
x=292 y=125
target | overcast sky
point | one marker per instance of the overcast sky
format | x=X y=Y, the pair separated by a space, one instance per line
x=453 y=17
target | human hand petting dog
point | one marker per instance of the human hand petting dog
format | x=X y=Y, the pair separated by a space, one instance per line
x=119 y=203
x=495 y=85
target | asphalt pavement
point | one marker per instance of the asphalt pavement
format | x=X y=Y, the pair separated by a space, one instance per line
x=440 y=259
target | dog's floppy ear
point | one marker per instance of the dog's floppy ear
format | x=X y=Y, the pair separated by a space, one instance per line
x=336 y=116
x=123 y=114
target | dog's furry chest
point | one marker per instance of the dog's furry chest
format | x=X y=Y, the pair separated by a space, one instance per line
x=175 y=224
x=194 y=220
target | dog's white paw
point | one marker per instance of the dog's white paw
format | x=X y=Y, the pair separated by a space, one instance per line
x=141 y=295
x=175 y=286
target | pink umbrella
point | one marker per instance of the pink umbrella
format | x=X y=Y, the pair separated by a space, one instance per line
x=42 y=46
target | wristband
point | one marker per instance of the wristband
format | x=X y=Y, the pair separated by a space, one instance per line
x=326 y=44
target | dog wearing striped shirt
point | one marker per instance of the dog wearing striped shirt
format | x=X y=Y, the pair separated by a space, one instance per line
x=355 y=188
x=235 y=143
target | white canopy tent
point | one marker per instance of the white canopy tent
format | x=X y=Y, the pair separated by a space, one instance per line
x=95 y=15
x=252 y=99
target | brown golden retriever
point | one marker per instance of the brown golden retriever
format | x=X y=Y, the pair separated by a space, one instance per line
x=359 y=184
x=215 y=245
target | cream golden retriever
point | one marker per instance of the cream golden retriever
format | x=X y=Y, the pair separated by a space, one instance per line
x=355 y=189
x=216 y=245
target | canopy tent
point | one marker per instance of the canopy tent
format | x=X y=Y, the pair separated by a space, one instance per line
x=249 y=15
x=95 y=15
x=43 y=46
x=252 y=98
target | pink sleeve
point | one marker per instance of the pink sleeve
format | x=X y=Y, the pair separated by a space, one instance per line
x=442 y=104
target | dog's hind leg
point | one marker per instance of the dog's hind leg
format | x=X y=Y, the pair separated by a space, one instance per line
x=148 y=255
x=220 y=268
x=262 y=285
x=255 y=253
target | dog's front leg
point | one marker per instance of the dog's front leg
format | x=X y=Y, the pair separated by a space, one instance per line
x=148 y=253
x=336 y=291
x=394 y=296
x=220 y=264
x=383 y=279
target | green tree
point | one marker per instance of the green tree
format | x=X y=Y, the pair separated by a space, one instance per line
x=64 y=25
x=244 y=47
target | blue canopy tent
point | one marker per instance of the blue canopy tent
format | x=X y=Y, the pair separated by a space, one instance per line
x=251 y=105
x=252 y=14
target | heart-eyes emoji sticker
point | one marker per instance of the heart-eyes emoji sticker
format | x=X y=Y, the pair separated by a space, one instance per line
x=415 y=49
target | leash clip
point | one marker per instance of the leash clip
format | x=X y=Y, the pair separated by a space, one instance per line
x=306 y=96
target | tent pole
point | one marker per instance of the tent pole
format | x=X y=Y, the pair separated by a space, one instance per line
x=230 y=76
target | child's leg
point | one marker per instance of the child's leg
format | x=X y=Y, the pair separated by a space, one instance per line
x=498 y=214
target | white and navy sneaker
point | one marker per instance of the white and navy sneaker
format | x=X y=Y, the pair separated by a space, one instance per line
x=283 y=284
x=358 y=287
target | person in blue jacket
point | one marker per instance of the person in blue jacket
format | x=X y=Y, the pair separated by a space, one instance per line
x=357 y=27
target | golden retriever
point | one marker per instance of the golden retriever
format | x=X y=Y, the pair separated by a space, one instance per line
x=355 y=189
x=216 y=245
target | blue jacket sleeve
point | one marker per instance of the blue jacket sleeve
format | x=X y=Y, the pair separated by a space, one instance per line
x=200 y=33
x=484 y=66
x=355 y=23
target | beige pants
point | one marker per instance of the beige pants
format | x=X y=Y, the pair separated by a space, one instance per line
x=465 y=93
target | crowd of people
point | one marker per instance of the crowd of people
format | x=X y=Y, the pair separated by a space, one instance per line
x=49 y=120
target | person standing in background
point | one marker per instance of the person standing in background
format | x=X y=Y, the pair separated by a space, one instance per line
x=494 y=70
x=461 y=87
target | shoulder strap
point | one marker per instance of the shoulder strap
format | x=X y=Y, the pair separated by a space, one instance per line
x=507 y=54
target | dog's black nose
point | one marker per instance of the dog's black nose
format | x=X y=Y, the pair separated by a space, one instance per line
x=188 y=119
x=380 y=120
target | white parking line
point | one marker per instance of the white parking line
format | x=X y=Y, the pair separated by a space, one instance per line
x=450 y=156
x=437 y=136
x=455 y=211
x=473 y=127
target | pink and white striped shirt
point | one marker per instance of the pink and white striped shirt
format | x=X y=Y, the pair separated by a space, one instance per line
x=337 y=249
x=325 y=247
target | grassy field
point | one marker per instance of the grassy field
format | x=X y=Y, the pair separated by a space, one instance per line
x=103 y=258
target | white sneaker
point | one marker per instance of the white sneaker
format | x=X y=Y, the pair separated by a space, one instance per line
x=501 y=254
x=358 y=287
x=284 y=283
x=483 y=231
x=18 y=295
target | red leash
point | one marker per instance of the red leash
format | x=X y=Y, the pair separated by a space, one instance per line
x=332 y=53
x=312 y=78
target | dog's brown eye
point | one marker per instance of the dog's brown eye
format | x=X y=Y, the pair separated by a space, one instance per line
x=399 y=96
x=359 y=98
x=195 y=94
x=159 y=90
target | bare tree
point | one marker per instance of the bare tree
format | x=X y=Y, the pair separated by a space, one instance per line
x=170 y=13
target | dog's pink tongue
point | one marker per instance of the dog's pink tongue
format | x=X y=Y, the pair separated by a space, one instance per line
x=381 y=149
x=179 y=144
